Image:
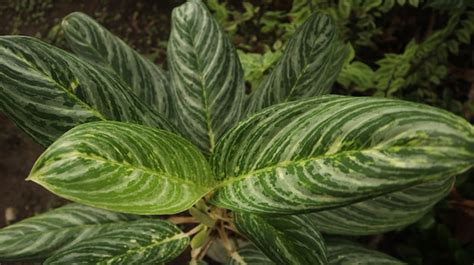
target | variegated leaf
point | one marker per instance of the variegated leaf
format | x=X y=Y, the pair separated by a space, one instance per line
x=47 y=91
x=249 y=255
x=385 y=213
x=342 y=252
x=140 y=242
x=284 y=239
x=206 y=76
x=40 y=236
x=334 y=150
x=309 y=66
x=124 y=167
x=89 y=40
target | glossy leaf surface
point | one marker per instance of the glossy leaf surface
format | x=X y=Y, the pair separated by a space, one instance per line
x=140 y=242
x=309 y=66
x=47 y=91
x=385 y=213
x=124 y=167
x=285 y=240
x=40 y=236
x=332 y=151
x=206 y=76
x=92 y=42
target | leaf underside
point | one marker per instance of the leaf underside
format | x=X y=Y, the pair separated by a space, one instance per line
x=126 y=168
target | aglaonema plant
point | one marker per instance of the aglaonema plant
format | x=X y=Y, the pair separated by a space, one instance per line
x=266 y=178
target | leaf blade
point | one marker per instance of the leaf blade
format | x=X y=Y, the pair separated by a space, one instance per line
x=92 y=42
x=140 y=242
x=47 y=91
x=42 y=235
x=309 y=66
x=385 y=213
x=126 y=168
x=205 y=74
x=346 y=252
x=284 y=239
x=329 y=152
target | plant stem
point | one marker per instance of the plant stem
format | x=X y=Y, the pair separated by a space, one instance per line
x=182 y=220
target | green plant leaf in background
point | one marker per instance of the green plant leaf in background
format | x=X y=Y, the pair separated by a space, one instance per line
x=125 y=168
x=335 y=150
x=47 y=91
x=343 y=252
x=284 y=239
x=92 y=42
x=310 y=63
x=139 y=242
x=206 y=76
x=40 y=236
x=384 y=213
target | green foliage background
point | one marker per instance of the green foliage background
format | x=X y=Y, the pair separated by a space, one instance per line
x=417 y=50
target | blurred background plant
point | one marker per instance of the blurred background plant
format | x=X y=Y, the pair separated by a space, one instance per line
x=417 y=50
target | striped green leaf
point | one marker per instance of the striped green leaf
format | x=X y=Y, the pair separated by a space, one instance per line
x=124 y=167
x=285 y=239
x=140 y=242
x=342 y=252
x=47 y=91
x=385 y=213
x=334 y=150
x=41 y=236
x=206 y=76
x=89 y=40
x=309 y=66
x=249 y=255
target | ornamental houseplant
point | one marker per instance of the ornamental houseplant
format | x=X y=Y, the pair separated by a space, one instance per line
x=266 y=178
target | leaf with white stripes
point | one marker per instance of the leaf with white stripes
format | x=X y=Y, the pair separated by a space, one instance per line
x=205 y=74
x=40 y=236
x=332 y=151
x=343 y=252
x=140 y=242
x=250 y=255
x=384 y=213
x=309 y=66
x=124 y=167
x=92 y=42
x=284 y=239
x=47 y=91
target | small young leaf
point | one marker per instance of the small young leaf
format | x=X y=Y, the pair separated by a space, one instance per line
x=200 y=238
x=47 y=91
x=40 y=236
x=124 y=167
x=311 y=62
x=92 y=42
x=205 y=75
x=333 y=151
x=139 y=242
x=284 y=239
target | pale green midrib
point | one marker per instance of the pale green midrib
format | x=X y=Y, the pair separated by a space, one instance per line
x=303 y=72
x=286 y=163
x=49 y=78
x=207 y=112
x=165 y=175
x=178 y=236
x=238 y=258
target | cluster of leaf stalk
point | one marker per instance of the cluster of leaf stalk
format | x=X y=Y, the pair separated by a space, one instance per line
x=268 y=178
